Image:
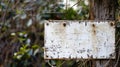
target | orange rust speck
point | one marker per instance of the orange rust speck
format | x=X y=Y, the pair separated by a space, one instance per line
x=93 y=25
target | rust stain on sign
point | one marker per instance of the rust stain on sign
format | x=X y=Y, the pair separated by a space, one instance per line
x=79 y=39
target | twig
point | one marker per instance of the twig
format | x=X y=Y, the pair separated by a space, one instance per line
x=117 y=59
x=3 y=18
x=105 y=65
x=75 y=4
x=16 y=4
x=62 y=63
x=118 y=42
x=50 y=64
x=71 y=6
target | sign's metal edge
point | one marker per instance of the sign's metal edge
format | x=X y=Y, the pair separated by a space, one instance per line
x=108 y=21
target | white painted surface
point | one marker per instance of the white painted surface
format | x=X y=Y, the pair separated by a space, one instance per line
x=79 y=39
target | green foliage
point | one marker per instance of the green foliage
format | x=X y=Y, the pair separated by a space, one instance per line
x=85 y=11
x=26 y=52
x=70 y=14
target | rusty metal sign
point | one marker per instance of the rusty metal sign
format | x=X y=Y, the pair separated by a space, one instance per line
x=79 y=39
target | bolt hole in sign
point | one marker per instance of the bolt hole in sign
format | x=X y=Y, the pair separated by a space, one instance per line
x=79 y=39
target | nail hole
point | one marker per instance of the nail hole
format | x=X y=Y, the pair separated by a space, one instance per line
x=47 y=24
x=93 y=25
x=64 y=24
x=111 y=24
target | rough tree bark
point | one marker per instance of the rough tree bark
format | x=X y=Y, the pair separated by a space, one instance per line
x=103 y=10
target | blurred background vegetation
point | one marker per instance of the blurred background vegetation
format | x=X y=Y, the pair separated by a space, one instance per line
x=22 y=30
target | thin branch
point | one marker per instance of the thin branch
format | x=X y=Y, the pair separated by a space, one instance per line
x=62 y=63
x=75 y=4
x=118 y=41
x=50 y=64
x=3 y=18
x=107 y=63
x=117 y=59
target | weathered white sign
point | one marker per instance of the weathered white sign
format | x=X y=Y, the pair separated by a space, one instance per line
x=79 y=39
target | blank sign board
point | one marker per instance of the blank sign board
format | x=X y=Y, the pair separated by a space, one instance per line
x=79 y=40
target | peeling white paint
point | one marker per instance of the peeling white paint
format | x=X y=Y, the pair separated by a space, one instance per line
x=79 y=39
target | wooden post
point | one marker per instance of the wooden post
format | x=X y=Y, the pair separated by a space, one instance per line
x=103 y=10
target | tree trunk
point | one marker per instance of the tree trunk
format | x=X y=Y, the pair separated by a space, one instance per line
x=103 y=10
